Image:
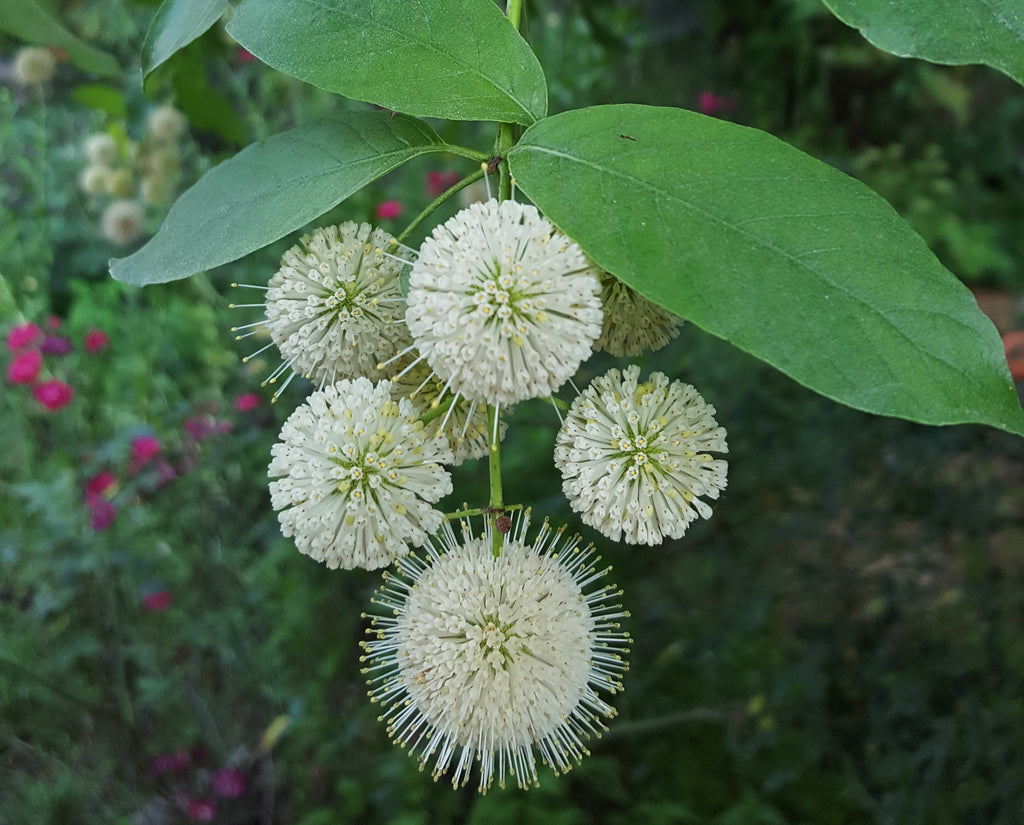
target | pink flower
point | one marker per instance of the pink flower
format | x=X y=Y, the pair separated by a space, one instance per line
x=170 y=762
x=56 y=345
x=229 y=783
x=158 y=601
x=201 y=427
x=244 y=55
x=99 y=484
x=24 y=369
x=96 y=340
x=202 y=810
x=22 y=335
x=438 y=182
x=389 y=210
x=144 y=447
x=103 y=513
x=53 y=394
x=249 y=401
x=711 y=104
x=53 y=322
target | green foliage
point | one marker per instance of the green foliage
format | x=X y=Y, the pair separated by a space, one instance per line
x=176 y=24
x=273 y=188
x=30 y=21
x=954 y=32
x=777 y=253
x=457 y=59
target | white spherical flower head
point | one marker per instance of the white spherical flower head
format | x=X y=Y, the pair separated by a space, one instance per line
x=632 y=324
x=101 y=149
x=635 y=458
x=503 y=306
x=356 y=475
x=122 y=221
x=496 y=659
x=335 y=306
x=34 y=65
x=165 y=124
x=461 y=421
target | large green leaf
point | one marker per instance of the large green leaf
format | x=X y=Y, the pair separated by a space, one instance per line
x=955 y=32
x=456 y=59
x=760 y=244
x=176 y=24
x=272 y=188
x=27 y=20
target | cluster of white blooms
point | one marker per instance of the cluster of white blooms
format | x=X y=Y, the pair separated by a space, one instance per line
x=635 y=457
x=489 y=648
x=496 y=659
x=123 y=177
x=34 y=65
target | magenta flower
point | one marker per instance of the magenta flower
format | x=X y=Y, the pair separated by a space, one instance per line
x=96 y=486
x=53 y=322
x=201 y=427
x=24 y=369
x=22 y=335
x=712 y=104
x=96 y=340
x=53 y=394
x=389 y=210
x=249 y=401
x=438 y=182
x=56 y=345
x=170 y=762
x=144 y=448
x=229 y=783
x=102 y=515
x=202 y=810
x=158 y=602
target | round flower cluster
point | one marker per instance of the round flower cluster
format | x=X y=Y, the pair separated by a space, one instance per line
x=356 y=474
x=632 y=324
x=635 y=457
x=496 y=659
x=334 y=308
x=503 y=306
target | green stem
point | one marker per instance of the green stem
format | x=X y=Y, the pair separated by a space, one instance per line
x=436 y=202
x=496 y=499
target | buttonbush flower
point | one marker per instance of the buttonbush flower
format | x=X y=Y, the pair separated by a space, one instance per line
x=356 y=474
x=335 y=306
x=463 y=423
x=496 y=659
x=632 y=324
x=122 y=221
x=635 y=457
x=101 y=149
x=34 y=65
x=25 y=367
x=502 y=305
x=165 y=124
x=53 y=394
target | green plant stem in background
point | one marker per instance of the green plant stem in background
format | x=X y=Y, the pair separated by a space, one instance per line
x=436 y=202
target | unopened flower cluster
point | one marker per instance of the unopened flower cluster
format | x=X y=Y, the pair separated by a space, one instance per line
x=489 y=647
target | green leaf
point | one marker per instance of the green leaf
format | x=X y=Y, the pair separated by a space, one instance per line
x=176 y=24
x=787 y=258
x=103 y=98
x=272 y=188
x=954 y=32
x=456 y=59
x=27 y=20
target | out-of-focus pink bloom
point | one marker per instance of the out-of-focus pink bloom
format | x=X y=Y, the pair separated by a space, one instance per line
x=96 y=340
x=144 y=447
x=53 y=322
x=158 y=601
x=201 y=427
x=24 y=369
x=202 y=810
x=170 y=762
x=56 y=345
x=712 y=104
x=102 y=516
x=22 y=336
x=438 y=182
x=389 y=210
x=53 y=394
x=99 y=484
x=229 y=783
x=249 y=401
x=244 y=55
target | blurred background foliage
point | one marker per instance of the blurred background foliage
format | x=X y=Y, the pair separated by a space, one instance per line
x=840 y=643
